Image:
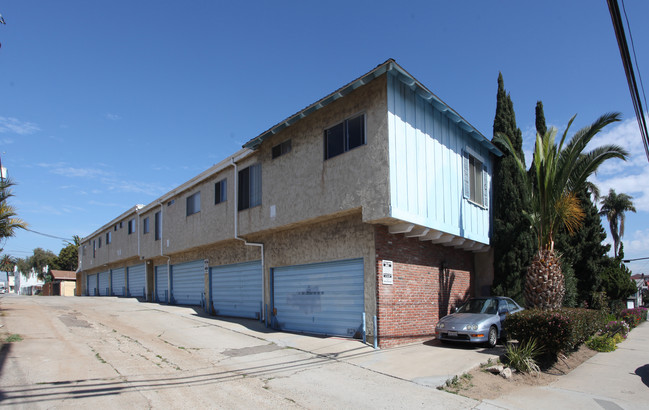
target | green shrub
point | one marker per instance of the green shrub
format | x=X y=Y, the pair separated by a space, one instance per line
x=602 y=343
x=618 y=338
x=560 y=330
x=522 y=356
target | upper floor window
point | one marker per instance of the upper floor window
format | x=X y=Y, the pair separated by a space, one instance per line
x=131 y=226
x=194 y=203
x=98 y=243
x=94 y=248
x=281 y=149
x=108 y=238
x=475 y=179
x=347 y=135
x=221 y=191
x=158 y=226
x=145 y=225
x=249 y=187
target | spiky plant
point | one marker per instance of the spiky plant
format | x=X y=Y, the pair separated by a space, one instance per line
x=8 y=220
x=560 y=171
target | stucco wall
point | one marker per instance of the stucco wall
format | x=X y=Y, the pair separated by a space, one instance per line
x=301 y=185
x=345 y=237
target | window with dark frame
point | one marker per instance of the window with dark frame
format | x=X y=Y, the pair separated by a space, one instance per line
x=345 y=136
x=158 y=226
x=145 y=225
x=249 y=187
x=221 y=191
x=94 y=248
x=131 y=226
x=108 y=238
x=194 y=203
x=281 y=149
x=99 y=243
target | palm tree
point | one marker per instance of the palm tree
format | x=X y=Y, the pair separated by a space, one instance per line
x=560 y=172
x=613 y=208
x=8 y=221
x=7 y=264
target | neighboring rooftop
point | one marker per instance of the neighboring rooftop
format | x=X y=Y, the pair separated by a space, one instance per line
x=64 y=275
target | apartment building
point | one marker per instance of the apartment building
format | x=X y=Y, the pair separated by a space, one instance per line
x=367 y=213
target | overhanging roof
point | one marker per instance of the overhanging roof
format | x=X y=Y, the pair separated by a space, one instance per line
x=389 y=66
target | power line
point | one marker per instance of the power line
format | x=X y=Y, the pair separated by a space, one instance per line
x=628 y=69
x=635 y=57
x=50 y=236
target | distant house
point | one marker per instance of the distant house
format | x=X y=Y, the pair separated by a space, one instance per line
x=29 y=284
x=636 y=299
x=367 y=213
x=63 y=283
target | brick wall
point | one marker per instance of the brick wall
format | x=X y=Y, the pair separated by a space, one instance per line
x=429 y=281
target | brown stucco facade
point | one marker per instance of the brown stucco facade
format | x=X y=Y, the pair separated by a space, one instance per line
x=313 y=210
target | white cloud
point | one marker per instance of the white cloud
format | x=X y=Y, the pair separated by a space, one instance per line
x=112 y=117
x=14 y=125
x=631 y=176
x=6 y=141
x=78 y=172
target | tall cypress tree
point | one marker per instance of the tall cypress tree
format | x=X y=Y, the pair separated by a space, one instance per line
x=541 y=128
x=513 y=240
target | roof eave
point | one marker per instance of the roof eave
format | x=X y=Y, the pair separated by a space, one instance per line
x=403 y=76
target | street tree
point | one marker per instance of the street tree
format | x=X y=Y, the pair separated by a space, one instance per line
x=513 y=241
x=614 y=207
x=560 y=174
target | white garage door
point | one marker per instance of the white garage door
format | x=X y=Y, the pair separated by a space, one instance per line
x=188 y=282
x=321 y=298
x=119 y=281
x=161 y=284
x=104 y=283
x=136 y=281
x=92 y=285
x=236 y=289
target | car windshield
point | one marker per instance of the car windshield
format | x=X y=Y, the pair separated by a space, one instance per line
x=489 y=306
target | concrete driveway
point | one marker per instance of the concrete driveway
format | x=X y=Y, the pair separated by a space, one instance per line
x=114 y=352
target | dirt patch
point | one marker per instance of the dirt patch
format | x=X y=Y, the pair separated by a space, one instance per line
x=480 y=384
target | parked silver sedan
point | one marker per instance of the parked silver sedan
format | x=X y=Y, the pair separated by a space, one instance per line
x=480 y=320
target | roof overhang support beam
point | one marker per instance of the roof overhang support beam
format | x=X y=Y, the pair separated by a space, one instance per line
x=401 y=228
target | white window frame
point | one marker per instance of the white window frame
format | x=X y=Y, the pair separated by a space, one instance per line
x=470 y=185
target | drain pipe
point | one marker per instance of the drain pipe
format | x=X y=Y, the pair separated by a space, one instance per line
x=245 y=242
x=163 y=255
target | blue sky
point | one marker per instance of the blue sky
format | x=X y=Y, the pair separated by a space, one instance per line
x=108 y=104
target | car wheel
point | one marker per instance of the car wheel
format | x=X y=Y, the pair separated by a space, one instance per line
x=492 y=338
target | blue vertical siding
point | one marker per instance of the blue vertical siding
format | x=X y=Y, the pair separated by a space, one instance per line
x=426 y=177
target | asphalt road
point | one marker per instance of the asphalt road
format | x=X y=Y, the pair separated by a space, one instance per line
x=119 y=353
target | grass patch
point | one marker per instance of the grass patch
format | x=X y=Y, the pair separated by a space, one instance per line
x=101 y=359
x=457 y=383
x=14 y=338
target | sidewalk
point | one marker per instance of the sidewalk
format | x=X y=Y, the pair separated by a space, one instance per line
x=614 y=380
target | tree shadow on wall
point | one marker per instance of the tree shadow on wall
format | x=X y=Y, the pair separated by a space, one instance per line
x=446 y=281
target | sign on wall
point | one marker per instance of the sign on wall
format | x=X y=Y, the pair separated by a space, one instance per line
x=387 y=273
